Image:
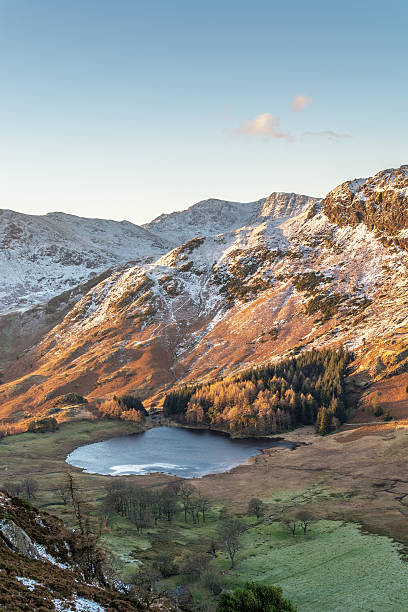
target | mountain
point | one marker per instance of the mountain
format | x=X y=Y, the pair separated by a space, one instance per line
x=212 y=217
x=246 y=283
x=42 y=256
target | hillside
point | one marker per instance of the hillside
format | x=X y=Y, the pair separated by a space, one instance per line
x=247 y=283
x=42 y=256
x=41 y=565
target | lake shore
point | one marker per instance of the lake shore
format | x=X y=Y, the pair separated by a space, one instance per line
x=362 y=486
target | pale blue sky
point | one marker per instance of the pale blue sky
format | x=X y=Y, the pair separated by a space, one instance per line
x=126 y=109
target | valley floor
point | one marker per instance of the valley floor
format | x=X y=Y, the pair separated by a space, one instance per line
x=355 y=486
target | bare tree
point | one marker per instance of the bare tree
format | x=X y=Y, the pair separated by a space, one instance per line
x=88 y=553
x=186 y=491
x=230 y=532
x=144 y=586
x=30 y=488
x=290 y=523
x=15 y=489
x=203 y=504
x=62 y=493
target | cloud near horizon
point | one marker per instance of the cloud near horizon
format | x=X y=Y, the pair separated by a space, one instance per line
x=330 y=134
x=300 y=101
x=265 y=125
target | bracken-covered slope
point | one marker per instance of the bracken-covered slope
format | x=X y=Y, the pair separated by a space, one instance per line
x=251 y=283
x=39 y=566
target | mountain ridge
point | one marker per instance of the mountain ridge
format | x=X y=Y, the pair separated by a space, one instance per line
x=43 y=255
x=283 y=276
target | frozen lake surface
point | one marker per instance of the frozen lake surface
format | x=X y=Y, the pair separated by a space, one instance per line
x=189 y=453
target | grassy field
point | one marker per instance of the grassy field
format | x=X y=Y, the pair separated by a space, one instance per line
x=42 y=456
x=335 y=567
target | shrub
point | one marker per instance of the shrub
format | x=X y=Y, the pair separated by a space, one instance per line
x=191 y=564
x=165 y=566
x=212 y=580
x=71 y=398
x=43 y=425
x=255 y=598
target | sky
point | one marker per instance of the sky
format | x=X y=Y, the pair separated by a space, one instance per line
x=127 y=109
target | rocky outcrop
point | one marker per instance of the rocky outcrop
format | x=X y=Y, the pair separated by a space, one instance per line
x=38 y=571
x=17 y=540
x=280 y=204
x=380 y=202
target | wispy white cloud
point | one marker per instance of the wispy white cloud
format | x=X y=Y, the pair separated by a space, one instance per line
x=300 y=101
x=329 y=134
x=265 y=125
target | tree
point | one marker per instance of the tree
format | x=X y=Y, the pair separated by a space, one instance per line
x=255 y=598
x=203 y=505
x=323 y=421
x=131 y=402
x=87 y=552
x=271 y=398
x=377 y=409
x=15 y=488
x=186 y=491
x=256 y=507
x=305 y=518
x=143 y=584
x=230 y=532
x=30 y=488
x=290 y=523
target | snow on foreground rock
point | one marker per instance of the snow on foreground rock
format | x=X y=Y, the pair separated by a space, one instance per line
x=38 y=570
x=78 y=605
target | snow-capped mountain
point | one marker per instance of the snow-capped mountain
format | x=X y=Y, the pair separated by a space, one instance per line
x=42 y=256
x=212 y=217
x=247 y=283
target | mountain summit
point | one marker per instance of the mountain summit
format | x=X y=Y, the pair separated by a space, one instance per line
x=213 y=289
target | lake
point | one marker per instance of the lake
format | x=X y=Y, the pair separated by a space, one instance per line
x=189 y=453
